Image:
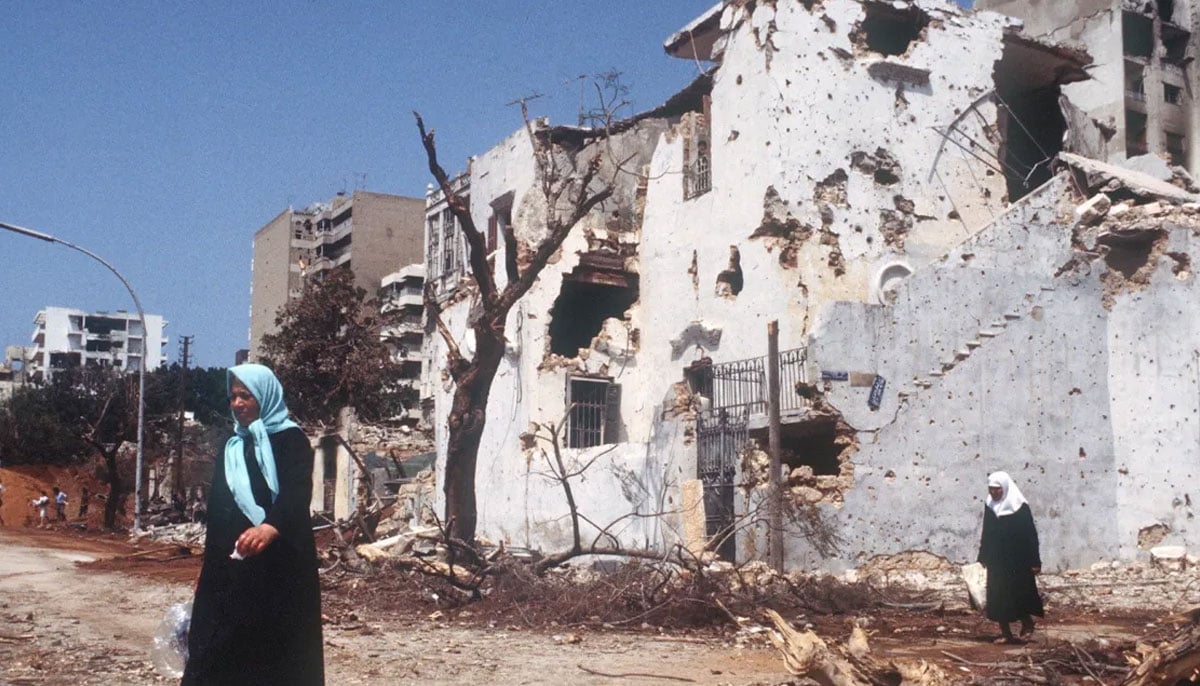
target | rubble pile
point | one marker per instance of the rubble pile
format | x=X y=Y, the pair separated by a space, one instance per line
x=190 y=534
x=383 y=439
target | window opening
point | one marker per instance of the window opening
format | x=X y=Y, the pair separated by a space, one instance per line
x=594 y=412
x=1172 y=94
x=1137 y=35
x=698 y=179
x=585 y=301
x=1175 y=42
x=1176 y=149
x=1166 y=10
x=1135 y=134
x=328 y=447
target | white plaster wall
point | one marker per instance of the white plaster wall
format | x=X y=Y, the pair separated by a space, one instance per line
x=518 y=501
x=1094 y=412
x=764 y=124
x=1154 y=385
x=764 y=134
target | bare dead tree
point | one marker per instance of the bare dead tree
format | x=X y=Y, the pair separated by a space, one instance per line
x=572 y=182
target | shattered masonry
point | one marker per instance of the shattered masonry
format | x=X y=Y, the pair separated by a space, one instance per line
x=923 y=252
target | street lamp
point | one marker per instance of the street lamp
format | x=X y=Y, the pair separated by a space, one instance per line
x=137 y=491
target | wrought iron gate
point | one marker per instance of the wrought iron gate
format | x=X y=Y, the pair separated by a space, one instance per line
x=722 y=435
x=737 y=390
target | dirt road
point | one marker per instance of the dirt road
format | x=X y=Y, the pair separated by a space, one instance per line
x=63 y=624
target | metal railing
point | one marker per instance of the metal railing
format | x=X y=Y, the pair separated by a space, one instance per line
x=743 y=383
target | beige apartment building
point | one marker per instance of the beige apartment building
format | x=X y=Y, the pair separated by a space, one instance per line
x=372 y=234
x=1143 y=80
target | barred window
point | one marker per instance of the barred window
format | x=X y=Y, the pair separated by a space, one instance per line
x=594 y=412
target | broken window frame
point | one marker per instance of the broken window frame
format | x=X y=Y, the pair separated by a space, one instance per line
x=593 y=418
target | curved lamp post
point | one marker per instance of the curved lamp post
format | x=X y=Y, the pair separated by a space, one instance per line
x=137 y=491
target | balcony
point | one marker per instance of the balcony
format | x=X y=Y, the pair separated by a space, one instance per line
x=741 y=387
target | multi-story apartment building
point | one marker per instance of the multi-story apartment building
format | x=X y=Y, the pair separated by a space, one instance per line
x=66 y=337
x=1142 y=80
x=401 y=297
x=368 y=233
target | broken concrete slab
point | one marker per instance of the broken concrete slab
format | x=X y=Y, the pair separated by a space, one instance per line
x=1097 y=175
x=1150 y=165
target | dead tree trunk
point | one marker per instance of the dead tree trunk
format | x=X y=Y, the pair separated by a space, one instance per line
x=473 y=377
x=468 y=416
x=115 y=486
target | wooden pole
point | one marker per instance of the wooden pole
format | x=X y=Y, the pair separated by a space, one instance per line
x=774 y=489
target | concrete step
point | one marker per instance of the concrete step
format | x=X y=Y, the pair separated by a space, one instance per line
x=988 y=333
x=971 y=345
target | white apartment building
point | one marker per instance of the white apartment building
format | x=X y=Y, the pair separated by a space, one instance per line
x=401 y=292
x=65 y=337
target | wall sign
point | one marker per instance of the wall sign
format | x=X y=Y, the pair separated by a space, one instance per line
x=876 y=397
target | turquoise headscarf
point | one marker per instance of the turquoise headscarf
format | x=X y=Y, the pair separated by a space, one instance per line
x=272 y=418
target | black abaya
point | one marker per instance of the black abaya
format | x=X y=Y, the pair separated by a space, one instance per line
x=258 y=621
x=1009 y=550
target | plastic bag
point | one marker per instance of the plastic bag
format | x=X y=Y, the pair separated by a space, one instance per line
x=169 y=652
x=975 y=577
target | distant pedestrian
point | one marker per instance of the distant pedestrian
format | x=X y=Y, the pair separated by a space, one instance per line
x=83 y=502
x=60 y=505
x=1 y=504
x=1009 y=551
x=41 y=503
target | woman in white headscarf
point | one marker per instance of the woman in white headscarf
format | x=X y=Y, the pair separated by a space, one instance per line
x=1009 y=551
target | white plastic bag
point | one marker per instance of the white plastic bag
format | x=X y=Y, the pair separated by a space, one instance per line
x=975 y=576
x=169 y=652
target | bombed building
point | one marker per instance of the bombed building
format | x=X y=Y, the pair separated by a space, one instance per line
x=896 y=185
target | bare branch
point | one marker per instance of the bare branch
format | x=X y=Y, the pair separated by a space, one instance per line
x=462 y=212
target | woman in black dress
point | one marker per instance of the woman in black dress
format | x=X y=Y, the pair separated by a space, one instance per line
x=256 y=616
x=1009 y=551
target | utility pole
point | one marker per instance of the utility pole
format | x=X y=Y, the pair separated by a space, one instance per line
x=774 y=489
x=177 y=494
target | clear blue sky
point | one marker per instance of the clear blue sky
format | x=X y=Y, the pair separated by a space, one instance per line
x=162 y=135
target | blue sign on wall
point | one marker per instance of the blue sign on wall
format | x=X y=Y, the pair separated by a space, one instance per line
x=835 y=376
x=876 y=397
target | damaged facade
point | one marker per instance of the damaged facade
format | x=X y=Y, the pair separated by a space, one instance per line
x=880 y=179
x=1140 y=97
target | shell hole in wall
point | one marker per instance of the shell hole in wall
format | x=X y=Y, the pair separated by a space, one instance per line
x=1030 y=120
x=888 y=30
x=588 y=297
x=819 y=445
